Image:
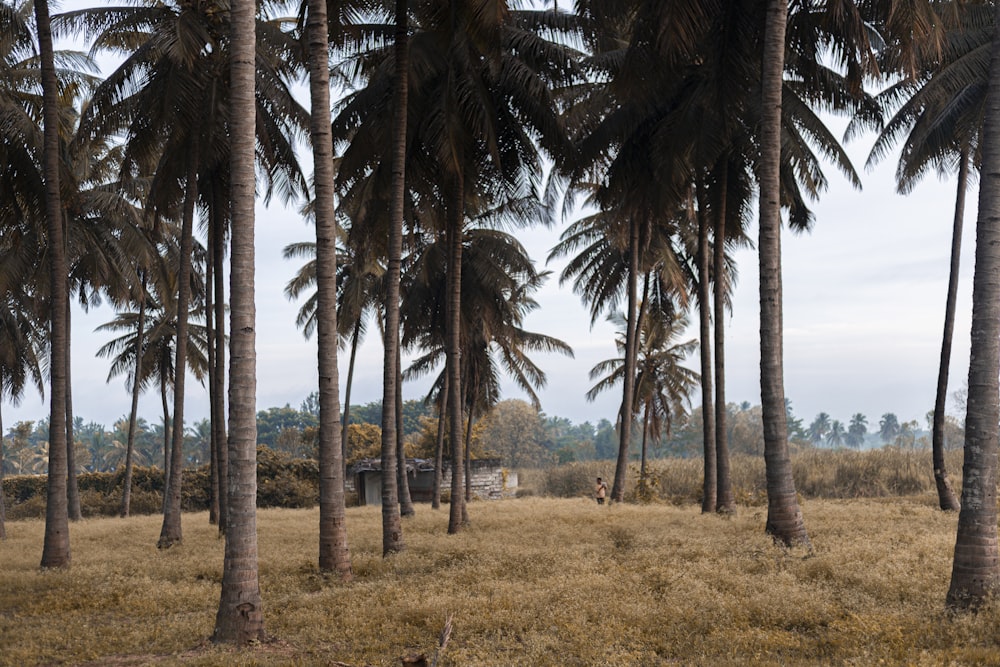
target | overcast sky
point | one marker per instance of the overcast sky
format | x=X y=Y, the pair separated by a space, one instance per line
x=864 y=297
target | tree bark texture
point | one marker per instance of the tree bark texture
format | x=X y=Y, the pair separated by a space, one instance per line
x=134 y=408
x=170 y=533
x=240 y=619
x=725 y=502
x=975 y=573
x=392 y=527
x=334 y=555
x=947 y=500
x=56 y=548
x=710 y=477
x=453 y=348
x=784 y=517
x=628 y=381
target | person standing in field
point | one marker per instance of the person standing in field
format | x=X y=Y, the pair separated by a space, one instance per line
x=601 y=491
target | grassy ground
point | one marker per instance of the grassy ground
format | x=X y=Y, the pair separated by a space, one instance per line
x=533 y=581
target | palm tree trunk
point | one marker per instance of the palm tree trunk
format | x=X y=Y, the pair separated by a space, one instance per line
x=628 y=382
x=3 y=506
x=946 y=495
x=72 y=489
x=468 y=455
x=240 y=619
x=439 y=449
x=134 y=409
x=170 y=532
x=166 y=435
x=709 y=489
x=974 y=575
x=55 y=552
x=453 y=350
x=725 y=502
x=213 y=447
x=392 y=527
x=219 y=400
x=405 y=500
x=784 y=517
x=645 y=437
x=346 y=418
x=334 y=554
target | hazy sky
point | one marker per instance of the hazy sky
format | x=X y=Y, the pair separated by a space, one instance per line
x=864 y=300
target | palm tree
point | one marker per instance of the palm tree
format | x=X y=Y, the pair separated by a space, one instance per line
x=662 y=384
x=475 y=131
x=940 y=108
x=888 y=427
x=145 y=353
x=835 y=438
x=784 y=517
x=856 y=430
x=56 y=551
x=334 y=554
x=819 y=428
x=240 y=619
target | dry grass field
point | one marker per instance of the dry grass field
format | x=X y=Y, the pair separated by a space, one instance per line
x=533 y=581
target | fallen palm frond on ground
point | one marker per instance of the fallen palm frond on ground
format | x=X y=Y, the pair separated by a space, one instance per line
x=533 y=581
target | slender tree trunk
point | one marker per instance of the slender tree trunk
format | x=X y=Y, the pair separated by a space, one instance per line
x=134 y=409
x=355 y=338
x=784 y=517
x=214 y=442
x=453 y=347
x=628 y=382
x=3 y=505
x=710 y=486
x=405 y=500
x=439 y=449
x=468 y=455
x=725 y=502
x=975 y=575
x=946 y=495
x=55 y=551
x=645 y=437
x=240 y=619
x=219 y=404
x=166 y=435
x=72 y=489
x=392 y=527
x=334 y=555
x=170 y=532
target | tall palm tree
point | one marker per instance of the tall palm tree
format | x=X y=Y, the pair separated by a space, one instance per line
x=56 y=549
x=975 y=576
x=240 y=619
x=819 y=427
x=856 y=430
x=333 y=553
x=662 y=384
x=784 y=517
x=475 y=131
x=941 y=108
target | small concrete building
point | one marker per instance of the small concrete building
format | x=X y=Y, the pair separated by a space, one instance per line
x=489 y=480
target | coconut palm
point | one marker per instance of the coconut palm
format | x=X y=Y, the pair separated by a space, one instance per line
x=975 y=576
x=56 y=548
x=240 y=619
x=835 y=438
x=474 y=131
x=333 y=554
x=940 y=110
x=169 y=98
x=819 y=428
x=497 y=296
x=856 y=430
x=662 y=384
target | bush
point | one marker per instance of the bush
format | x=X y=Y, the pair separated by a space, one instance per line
x=282 y=481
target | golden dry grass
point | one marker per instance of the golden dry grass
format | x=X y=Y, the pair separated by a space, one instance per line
x=533 y=581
